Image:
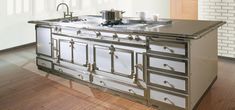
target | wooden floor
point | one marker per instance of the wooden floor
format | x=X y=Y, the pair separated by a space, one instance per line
x=24 y=87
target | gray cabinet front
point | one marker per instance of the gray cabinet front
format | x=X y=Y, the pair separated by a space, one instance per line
x=73 y=51
x=43 y=41
x=114 y=60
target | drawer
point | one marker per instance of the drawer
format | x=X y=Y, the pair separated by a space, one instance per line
x=82 y=75
x=87 y=32
x=176 y=100
x=170 y=65
x=177 y=48
x=72 y=31
x=44 y=63
x=168 y=82
x=118 y=86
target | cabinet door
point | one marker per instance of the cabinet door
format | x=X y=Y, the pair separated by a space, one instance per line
x=43 y=37
x=123 y=62
x=80 y=53
x=65 y=50
x=102 y=58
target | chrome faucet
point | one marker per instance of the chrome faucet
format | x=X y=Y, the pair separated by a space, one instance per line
x=66 y=14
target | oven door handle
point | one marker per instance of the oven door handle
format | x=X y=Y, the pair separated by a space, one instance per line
x=139 y=66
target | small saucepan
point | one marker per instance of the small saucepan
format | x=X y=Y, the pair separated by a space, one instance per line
x=112 y=15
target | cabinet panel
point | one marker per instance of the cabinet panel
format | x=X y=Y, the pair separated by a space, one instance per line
x=102 y=58
x=80 y=53
x=82 y=75
x=44 y=63
x=169 y=65
x=118 y=86
x=43 y=37
x=174 y=48
x=123 y=62
x=65 y=50
x=168 y=98
x=169 y=82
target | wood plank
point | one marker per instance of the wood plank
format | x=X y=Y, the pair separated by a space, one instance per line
x=184 y=9
x=22 y=89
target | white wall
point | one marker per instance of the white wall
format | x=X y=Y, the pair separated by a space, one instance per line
x=161 y=7
x=15 y=31
x=221 y=10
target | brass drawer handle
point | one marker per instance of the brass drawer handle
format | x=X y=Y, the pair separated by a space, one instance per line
x=166 y=65
x=131 y=91
x=59 y=29
x=167 y=48
x=102 y=82
x=79 y=32
x=98 y=34
x=167 y=82
x=60 y=70
x=81 y=77
x=167 y=99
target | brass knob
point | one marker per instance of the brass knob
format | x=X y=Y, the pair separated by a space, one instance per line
x=80 y=76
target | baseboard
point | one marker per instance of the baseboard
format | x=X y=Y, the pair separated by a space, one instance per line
x=207 y=90
x=17 y=47
x=226 y=58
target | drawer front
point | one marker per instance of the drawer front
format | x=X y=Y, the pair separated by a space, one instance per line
x=69 y=31
x=170 y=65
x=168 y=98
x=173 y=83
x=169 y=47
x=44 y=63
x=118 y=87
x=74 y=73
x=73 y=32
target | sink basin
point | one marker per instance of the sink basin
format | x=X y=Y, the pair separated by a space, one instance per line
x=66 y=20
x=75 y=19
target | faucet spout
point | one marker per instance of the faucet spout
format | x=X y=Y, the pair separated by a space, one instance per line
x=65 y=5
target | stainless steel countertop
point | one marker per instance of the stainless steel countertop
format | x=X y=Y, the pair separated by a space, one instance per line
x=179 y=29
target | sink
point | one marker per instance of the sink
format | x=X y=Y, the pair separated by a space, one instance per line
x=66 y=20
x=75 y=19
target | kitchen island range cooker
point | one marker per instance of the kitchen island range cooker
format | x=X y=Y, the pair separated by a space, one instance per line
x=166 y=64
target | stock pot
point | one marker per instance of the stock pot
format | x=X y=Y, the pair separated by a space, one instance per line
x=112 y=15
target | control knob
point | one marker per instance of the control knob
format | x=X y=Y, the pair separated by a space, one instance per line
x=98 y=34
x=137 y=38
x=130 y=37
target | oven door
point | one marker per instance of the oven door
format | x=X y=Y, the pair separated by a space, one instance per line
x=80 y=53
x=65 y=50
x=102 y=58
x=123 y=62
